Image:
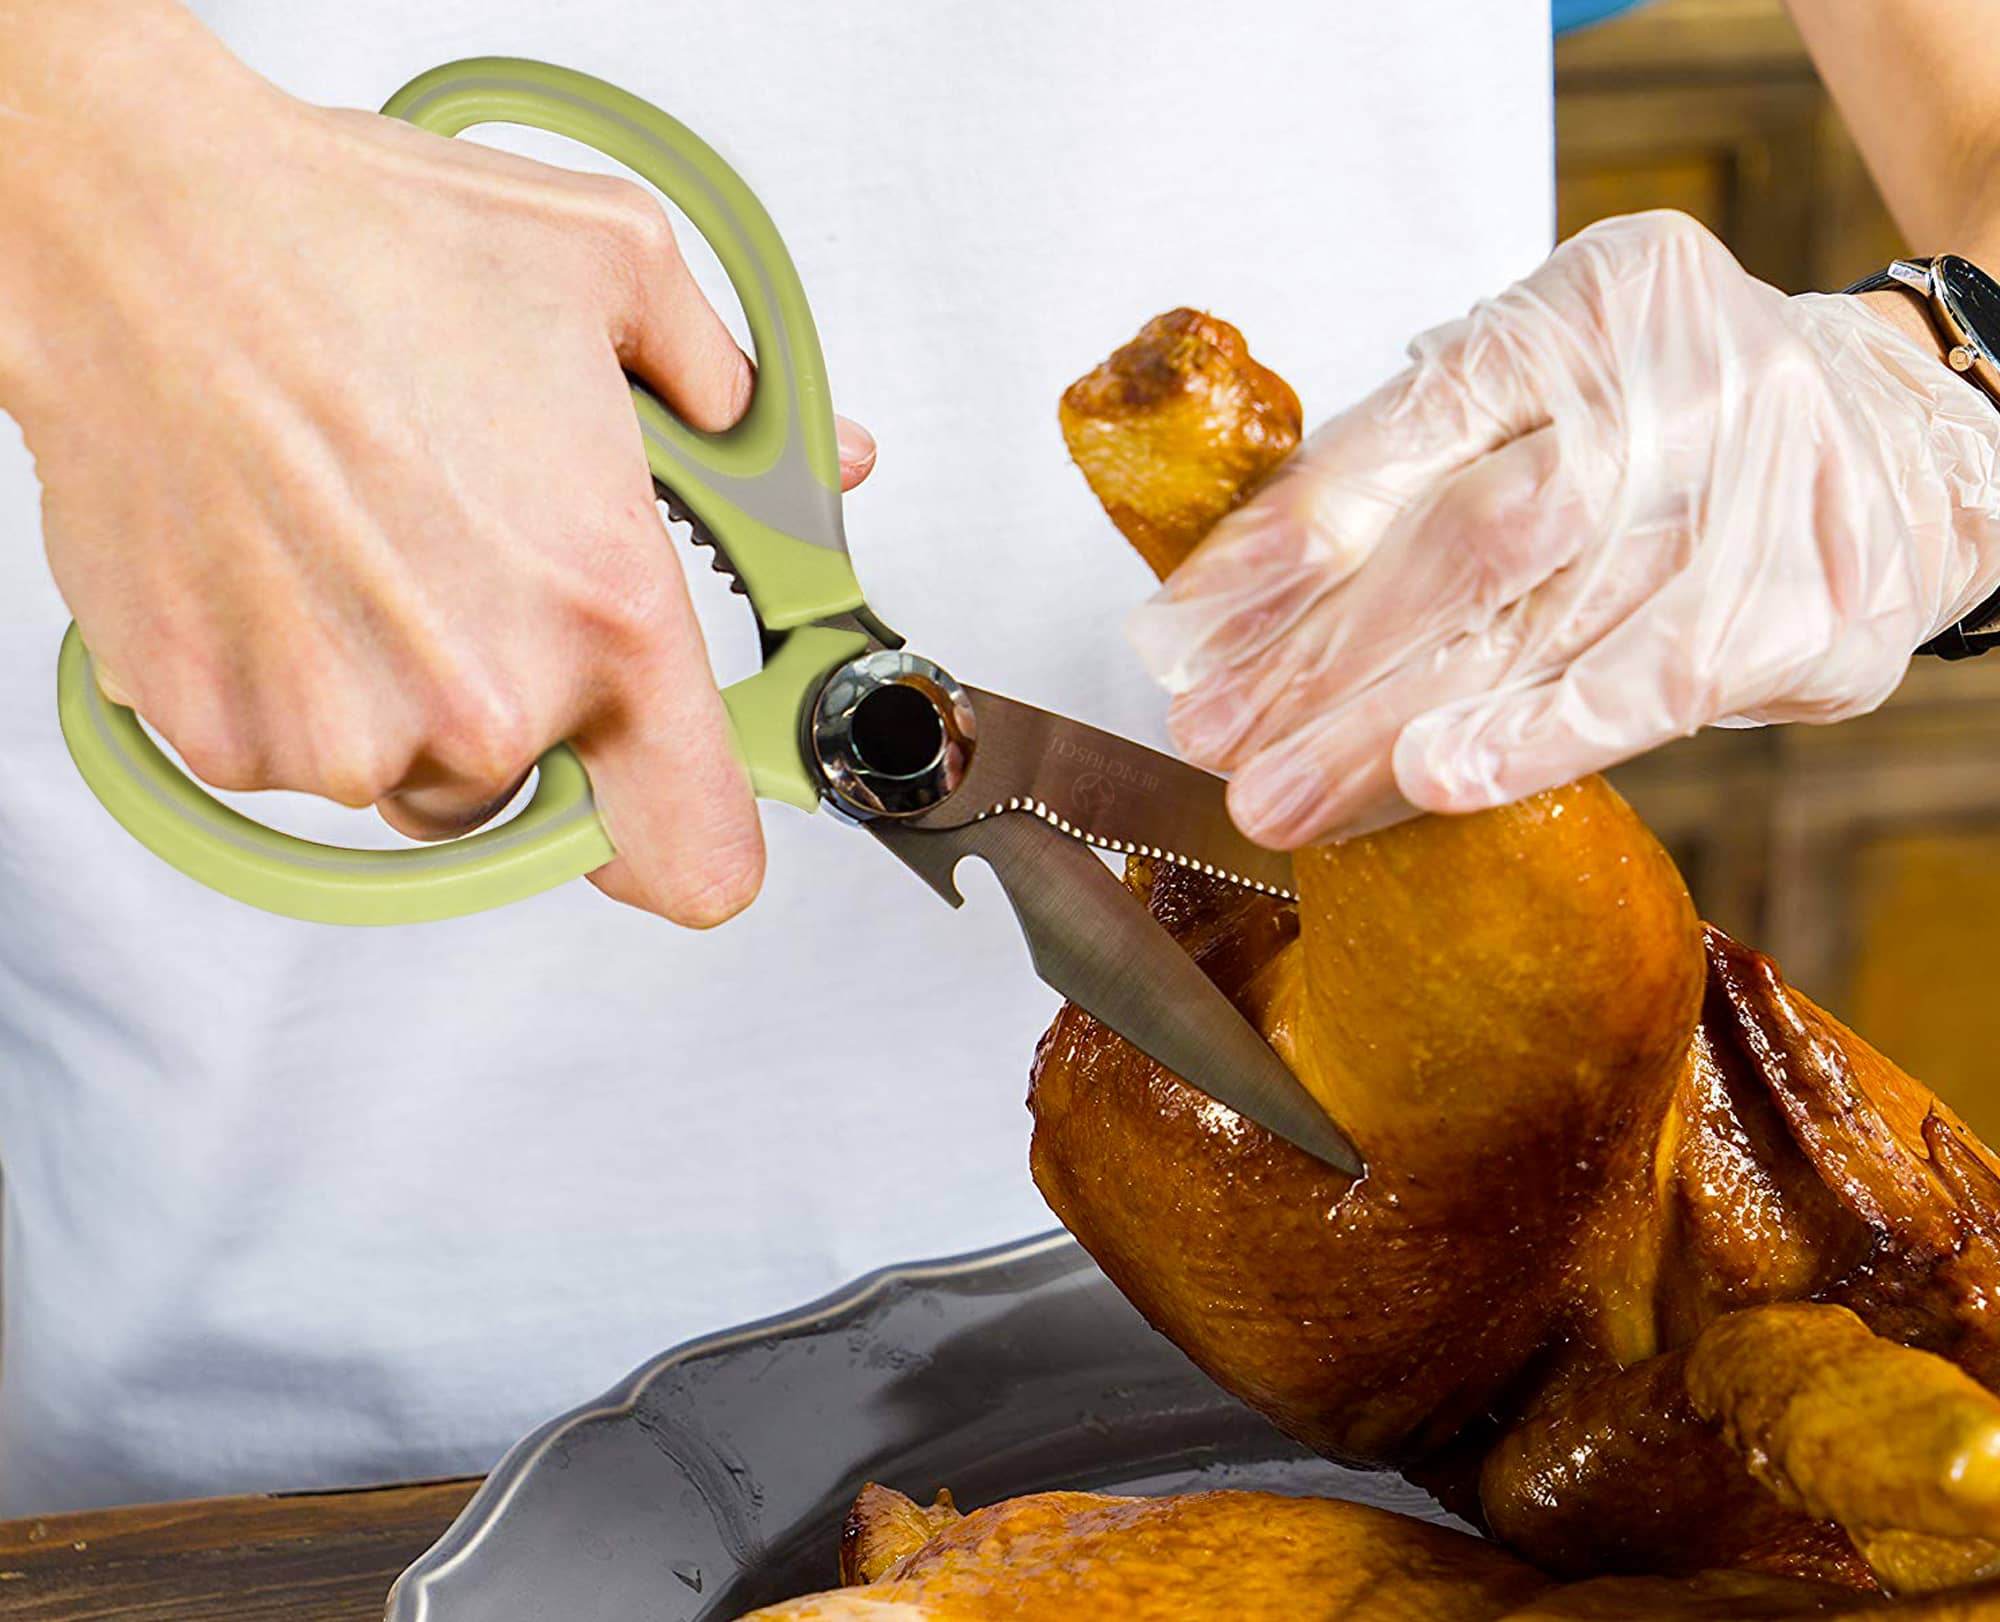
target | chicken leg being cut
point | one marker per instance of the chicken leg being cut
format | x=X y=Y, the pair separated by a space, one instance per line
x=1659 y=1275
x=1607 y=1148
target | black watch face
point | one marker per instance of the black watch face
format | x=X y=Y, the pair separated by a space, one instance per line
x=1972 y=297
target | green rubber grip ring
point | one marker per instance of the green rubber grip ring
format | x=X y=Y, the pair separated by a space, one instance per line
x=767 y=490
x=556 y=837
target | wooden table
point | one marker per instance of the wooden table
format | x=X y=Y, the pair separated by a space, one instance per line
x=290 y=1557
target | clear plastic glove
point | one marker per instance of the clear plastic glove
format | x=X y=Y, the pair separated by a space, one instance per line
x=1637 y=494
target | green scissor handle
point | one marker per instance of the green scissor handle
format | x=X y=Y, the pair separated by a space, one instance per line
x=767 y=491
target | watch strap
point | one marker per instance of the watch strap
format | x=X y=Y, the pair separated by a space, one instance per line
x=1979 y=630
x=1884 y=279
x=1976 y=633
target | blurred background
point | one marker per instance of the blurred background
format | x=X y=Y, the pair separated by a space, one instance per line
x=1864 y=857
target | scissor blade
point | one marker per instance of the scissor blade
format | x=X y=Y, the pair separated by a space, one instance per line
x=1095 y=943
x=1105 y=790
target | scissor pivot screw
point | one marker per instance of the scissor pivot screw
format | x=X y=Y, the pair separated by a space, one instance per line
x=892 y=734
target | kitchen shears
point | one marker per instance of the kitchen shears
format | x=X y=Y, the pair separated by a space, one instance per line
x=841 y=713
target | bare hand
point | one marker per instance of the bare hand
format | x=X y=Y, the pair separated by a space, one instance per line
x=341 y=476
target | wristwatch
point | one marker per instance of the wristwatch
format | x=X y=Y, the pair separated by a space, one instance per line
x=1963 y=304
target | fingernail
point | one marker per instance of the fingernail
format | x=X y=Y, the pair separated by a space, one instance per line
x=857 y=445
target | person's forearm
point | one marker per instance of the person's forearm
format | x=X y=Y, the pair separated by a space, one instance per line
x=55 y=58
x=94 y=97
x=1918 y=82
x=77 y=73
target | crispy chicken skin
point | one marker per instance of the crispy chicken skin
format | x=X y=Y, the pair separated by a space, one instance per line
x=1257 y=1557
x=1607 y=1147
x=1176 y=429
x=884 y=1526
x=1253 y=1557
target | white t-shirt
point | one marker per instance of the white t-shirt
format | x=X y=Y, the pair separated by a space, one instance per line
x=290 y=1205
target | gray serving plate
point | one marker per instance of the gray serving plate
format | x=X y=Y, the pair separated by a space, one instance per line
x=714 y=1479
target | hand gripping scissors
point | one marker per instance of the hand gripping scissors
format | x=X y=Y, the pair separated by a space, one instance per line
x=840 y=715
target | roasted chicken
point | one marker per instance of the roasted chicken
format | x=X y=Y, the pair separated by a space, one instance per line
x=1258 y=1557
x=1657 y=1269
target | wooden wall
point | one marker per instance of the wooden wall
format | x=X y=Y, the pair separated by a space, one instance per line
x=1865 y=857
x=1712 y=107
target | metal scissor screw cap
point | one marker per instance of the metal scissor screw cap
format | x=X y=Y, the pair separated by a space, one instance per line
x=892 y=734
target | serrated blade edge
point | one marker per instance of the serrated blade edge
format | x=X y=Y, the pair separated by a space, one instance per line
x=1106 y=791
x=1094 y=941
x=1129 y=847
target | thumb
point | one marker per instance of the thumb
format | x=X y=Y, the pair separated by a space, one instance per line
x=678 y=809
x=669 y=786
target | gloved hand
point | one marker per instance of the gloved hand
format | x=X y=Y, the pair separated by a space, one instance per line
x=1636 y=494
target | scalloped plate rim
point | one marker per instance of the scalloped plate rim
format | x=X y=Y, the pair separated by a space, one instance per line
x=409 y=1596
